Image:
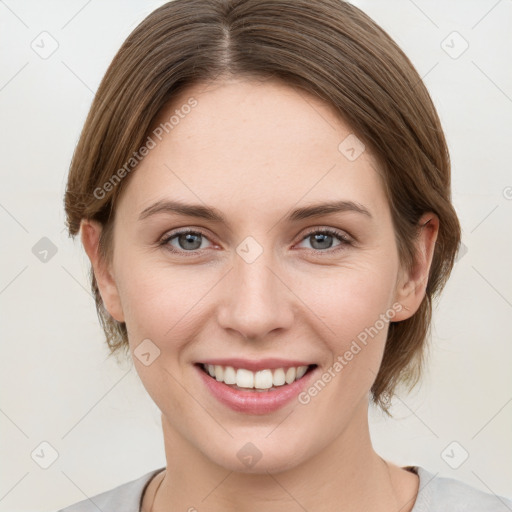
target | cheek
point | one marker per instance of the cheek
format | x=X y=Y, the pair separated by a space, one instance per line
x=357 y=311
x=354 y=308
x=349 y=300
x=164 y=306
x=162 y=303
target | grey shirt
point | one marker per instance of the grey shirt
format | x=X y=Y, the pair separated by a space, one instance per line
x=436 y=494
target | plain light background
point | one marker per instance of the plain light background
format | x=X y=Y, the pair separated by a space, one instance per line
x=58 y=385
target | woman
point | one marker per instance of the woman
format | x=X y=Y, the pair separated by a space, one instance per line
x=263 y=190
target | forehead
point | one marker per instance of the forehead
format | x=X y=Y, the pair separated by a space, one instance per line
x=260 y=144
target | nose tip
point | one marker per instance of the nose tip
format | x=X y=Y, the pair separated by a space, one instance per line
x=255 y=301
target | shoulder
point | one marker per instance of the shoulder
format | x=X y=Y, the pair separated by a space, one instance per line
x=440 y=494
x=126 y=497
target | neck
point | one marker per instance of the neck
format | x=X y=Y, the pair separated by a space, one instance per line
x=347 y=474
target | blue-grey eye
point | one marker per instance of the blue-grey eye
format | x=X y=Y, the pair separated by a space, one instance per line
x=190 y=241
x=322 y=240
x=186 y=240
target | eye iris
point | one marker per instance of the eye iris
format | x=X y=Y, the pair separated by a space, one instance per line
x=192 y=240
x=321 y=238
x=188 y=239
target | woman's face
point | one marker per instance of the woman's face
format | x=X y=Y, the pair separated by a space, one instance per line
x=262 y=283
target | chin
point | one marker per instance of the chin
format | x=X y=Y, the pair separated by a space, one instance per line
x=257 y=455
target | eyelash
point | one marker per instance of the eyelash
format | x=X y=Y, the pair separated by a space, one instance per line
x=344 y=240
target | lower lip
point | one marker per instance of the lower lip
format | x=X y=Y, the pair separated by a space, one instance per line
x=254 y=402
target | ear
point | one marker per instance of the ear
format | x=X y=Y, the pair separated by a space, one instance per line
x=90 y=231
x=411 y=284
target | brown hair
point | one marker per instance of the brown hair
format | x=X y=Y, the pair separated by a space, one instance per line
x=327 y=48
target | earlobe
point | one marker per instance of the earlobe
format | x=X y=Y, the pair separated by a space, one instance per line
x=412 y=284
x=90 y=231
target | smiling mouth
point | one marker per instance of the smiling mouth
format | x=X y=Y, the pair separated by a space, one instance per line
x=260 y=381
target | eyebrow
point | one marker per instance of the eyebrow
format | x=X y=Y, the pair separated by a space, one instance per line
x=214 y=215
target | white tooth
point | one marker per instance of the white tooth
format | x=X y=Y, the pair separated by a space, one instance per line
x=263 y=379
x=301 y=370
x=219 y=372
x=290 y=375
x=279 y=378
x=211 y=369
x=229 y=375
x=244 y=378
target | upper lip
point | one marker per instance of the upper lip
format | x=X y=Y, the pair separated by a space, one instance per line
x=256 y=364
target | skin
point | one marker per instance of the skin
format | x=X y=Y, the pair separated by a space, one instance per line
x=255 y=150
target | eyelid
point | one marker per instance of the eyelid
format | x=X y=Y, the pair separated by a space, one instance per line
x=184 y=230
x=343 y=236
x=334 y=231
x=345 y=241
x=168 y=235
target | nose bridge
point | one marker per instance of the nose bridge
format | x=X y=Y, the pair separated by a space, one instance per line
x=257 y=301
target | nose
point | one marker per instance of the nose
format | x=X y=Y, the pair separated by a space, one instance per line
x=257 y=299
